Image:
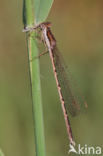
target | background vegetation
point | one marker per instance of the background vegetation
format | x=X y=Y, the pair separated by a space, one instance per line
x=78 y=27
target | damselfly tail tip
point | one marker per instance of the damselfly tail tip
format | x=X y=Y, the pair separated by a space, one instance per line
x=72 y=149
x=72 y=143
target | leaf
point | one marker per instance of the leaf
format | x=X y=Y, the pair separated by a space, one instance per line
x=42 y=8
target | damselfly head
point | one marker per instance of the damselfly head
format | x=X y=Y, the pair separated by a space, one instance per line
x=45 y=24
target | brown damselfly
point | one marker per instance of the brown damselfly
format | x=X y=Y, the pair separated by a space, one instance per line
x=69 y=102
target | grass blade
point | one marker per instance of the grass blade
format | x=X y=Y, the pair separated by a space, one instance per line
x=42 y=8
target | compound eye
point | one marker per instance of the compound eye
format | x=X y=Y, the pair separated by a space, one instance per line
x=48 y=24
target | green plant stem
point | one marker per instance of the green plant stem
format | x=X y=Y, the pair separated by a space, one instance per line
x=35 y=82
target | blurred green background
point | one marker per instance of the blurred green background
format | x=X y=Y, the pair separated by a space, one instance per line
x=78 y=27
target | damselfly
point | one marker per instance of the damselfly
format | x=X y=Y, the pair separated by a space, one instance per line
x=67 y=98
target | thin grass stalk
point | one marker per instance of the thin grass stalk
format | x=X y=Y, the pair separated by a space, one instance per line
x=35 y=81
